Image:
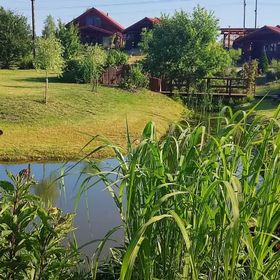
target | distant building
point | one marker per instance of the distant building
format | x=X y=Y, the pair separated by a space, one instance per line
x=97 y=27
x=133 y=33
x=231 y=34
x=264 y=40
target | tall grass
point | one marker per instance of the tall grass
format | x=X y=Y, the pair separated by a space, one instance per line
x=201 y=206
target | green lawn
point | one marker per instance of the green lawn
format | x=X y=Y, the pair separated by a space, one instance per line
x=58 y=130
x=269 y=105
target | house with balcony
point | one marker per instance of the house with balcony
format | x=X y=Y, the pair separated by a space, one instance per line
x=97 y=27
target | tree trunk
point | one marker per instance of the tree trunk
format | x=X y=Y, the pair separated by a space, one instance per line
x=46 y=88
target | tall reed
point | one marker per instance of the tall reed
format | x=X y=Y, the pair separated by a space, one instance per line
x=197 y=205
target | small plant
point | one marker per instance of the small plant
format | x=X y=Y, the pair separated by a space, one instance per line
x=135 y=79
x=31 y=236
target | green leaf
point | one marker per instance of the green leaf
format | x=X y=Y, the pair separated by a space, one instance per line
x=7 y=187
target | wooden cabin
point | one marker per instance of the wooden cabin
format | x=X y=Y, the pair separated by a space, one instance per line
x=133 y=33
x=254 y=44
x=97 y=27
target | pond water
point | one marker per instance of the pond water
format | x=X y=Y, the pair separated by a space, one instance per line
x=96 y=213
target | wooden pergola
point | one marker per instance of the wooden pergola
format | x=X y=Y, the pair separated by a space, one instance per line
x=231 y=34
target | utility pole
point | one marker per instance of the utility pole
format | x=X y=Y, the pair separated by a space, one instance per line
x=244 y=15
x=256 y=14
x=33 y=27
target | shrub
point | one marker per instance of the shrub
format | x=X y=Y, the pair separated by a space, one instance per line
x=87 y=67
x=135 y=79
x=116 y=58
x=263 y=63
x=73 y=72
x=31 y=236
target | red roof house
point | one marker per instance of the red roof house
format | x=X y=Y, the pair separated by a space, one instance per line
x=97 y=27
x=264 y=40
x=133 y=33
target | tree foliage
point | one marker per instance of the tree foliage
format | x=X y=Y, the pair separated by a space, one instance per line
x=70 y=39
x=184 y=47
x=93 y=63
x=116 y=57
x=49 y=53
x=15 y=38
x=49 y=27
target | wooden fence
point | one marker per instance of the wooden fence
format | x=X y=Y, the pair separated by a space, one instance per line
x=114 y=75
x=217 y=86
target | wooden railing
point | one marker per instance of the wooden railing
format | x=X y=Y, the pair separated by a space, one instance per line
x=217 y=86
x=227 y=86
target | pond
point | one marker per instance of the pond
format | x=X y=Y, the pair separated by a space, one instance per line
x=96 y=212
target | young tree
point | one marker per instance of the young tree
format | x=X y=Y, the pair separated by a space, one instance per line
x=184 y=47
x=49 y=27
x=93 y=64
x=70 y=39
x=49 y=58
x=15 y=38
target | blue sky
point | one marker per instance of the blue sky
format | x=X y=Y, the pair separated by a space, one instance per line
x=230 y=12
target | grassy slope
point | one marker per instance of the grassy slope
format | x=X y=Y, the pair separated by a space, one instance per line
x=268 y=106
x=34 y=131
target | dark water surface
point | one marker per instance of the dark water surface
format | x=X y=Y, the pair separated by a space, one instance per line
x=96 y=212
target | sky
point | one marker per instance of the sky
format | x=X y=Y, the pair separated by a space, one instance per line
x=127 y=12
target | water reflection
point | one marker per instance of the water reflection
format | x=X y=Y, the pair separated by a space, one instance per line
x=96 y=212
x=48 y=189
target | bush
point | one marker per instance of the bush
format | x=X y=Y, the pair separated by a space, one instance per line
x=264 y=63
x=32 y=238
x=116 y=58
x=73 y=72
x=87 y=67
x=135 y=79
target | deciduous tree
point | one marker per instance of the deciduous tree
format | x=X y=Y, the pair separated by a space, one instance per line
x=49 y=27
x=15 y=38
x=184 y=47
x=49 y=58
x=70 y=39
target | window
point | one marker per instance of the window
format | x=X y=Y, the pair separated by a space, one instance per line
x=93 y=20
